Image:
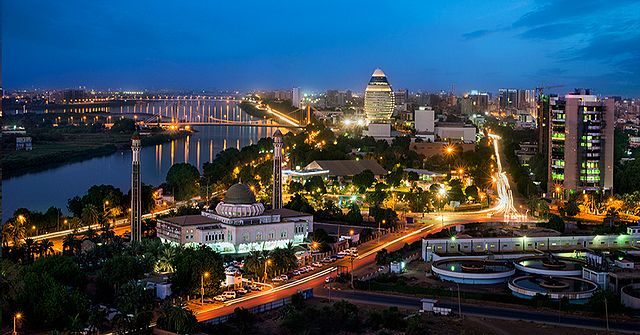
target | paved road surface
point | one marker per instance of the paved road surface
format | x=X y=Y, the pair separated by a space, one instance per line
x=484 y=311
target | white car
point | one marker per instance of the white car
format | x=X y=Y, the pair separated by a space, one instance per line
x=229 y=294
x=317 y=264
x=339 y=256
x=296 y=272
x=276 y=279
x=242 y=291
x=284 y=277
x=220 y=298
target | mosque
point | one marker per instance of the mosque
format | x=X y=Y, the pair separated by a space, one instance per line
x=240 y=224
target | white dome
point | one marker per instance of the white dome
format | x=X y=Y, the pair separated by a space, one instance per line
x=239 y=210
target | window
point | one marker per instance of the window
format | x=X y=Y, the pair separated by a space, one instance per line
x=259 y=236
x=283 y=234
x=272 y=234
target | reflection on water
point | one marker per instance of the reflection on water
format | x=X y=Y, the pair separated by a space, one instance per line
x=38 y=191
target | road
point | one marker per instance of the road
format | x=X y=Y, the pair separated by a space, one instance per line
x=525 y=314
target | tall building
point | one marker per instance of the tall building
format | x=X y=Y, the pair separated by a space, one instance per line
x=542 y=120
x=277 y=170
x=295 y=97
x=580 y=143
x=378 y=98
x=508 y=98
x=136 y=196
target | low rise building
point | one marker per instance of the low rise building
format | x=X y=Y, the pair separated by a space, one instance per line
x=238 y=225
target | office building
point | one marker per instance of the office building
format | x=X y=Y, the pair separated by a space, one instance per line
x=508 y=98
x=379 y=99
x=424 y=120
x=295 y=97
x=580 y=143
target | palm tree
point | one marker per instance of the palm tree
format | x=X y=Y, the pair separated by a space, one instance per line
x=30 y=246
x=69 y=243
x=90 y=215
x=254 y=262
x=15 y=230
x=46 y=247
x=165 y=260
x=90 y=233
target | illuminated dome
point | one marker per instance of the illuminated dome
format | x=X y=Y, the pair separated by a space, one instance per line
x=239 y=194
x=239 y=201
x=379 y=100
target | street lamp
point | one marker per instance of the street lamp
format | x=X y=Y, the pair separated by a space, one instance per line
x=15 y=319
x=267 y=262
x=441 y=194
x=204 y=275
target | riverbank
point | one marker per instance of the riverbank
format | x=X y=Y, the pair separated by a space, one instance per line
x=74 y=148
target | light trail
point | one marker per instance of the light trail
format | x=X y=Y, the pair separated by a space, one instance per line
x=505 y=195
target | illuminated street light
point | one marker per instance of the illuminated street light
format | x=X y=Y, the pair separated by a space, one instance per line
x=204 y=275
x=16 y=317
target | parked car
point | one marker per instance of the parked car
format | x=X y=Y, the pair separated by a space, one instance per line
x=284 y=277
x=338 y=256
x=229 y=294
x=317 y=264
x=242 y=291
x=296 y=272
x=220 y=298
x=327 y=260
x=255 y=287
x=275 y=279
x=329 y=279
x=310 y=268
x=380 y=268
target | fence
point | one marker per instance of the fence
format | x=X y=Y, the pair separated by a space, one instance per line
x=306 y=294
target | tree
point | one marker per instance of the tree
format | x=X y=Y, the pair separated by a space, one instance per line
x=455 y=193
x=165 y=261
x=354 y=216
x=135 y=303
x=315 y=185
x=191 y=264
x=382 y=257
x=555 y=222
x=417 y=199
x=295 y=187
x=90 y=215
x=363 y=180
x=377 y=197
x=395 y=177
x=124 y=126
x=472 y=192
x=183 y=179
x=300 y=203
x=571 y=208
x=177 y=319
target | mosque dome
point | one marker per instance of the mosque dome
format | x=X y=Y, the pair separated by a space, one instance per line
x=239 y=201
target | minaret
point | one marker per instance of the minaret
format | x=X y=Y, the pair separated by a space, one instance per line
x=277 y=170
x=136 y=198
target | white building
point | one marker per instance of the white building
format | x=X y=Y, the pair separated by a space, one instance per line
x=425 y=120
x=446 y=131
x=238 y=224
x=295 y=97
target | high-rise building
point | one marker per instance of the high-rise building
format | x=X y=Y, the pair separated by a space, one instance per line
x=136 y=196
x=580 y=143
x=277 y=170
x=295 y=97
x=378 y=98
x=508 y=98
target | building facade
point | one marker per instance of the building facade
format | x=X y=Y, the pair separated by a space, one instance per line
x=580 y=143
x=379 y=99
x=239 y=224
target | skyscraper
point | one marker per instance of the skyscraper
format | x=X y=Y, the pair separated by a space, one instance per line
x=277 y=170
x=378 y=98
x=136 y=197
x=295 y=97
x=580 y=143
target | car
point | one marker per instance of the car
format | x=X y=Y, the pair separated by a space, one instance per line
x=229 y=294
x=284 y=277
x=296 y=272
x=242 y=291
x=303 y=269
x=343 y=252
x=255 y=287
x=380 y=268
x=276 y=279
x=338 y=256
x=327 y=260
x=310 y=268
x=317 y=264
x=220 y=298
x=329 y=279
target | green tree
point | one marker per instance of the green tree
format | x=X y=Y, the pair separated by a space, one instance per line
x=472 y=191
x=354 y=216
x=315 y=185
x=571 y=208
x=124 y=126
x=135 y=303
x=183 y=180
x=363 y=180
x=191 y=264
x=300 y=203
x=382 y=257
x=177 y=319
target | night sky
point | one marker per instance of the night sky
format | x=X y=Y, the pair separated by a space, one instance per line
x=317 y=45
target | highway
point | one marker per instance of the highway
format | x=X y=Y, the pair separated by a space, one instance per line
x=482 y=310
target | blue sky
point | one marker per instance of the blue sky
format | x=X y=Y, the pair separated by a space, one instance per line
x=421 y=45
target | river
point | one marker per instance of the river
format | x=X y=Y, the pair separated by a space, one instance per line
x=53 y=187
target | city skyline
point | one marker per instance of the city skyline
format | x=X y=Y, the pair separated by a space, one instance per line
x=245 y=47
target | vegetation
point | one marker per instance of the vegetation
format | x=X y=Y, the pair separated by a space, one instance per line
x=183 y=180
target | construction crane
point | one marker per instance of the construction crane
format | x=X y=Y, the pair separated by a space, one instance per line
x=541 y=88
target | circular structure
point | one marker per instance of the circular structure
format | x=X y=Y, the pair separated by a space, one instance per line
x=379 y=100
x=239 y=201
x=549 y=265
x=472 y=271
x=630 y=295
x=577 y=290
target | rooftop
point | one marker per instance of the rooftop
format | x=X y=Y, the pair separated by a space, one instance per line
x=347 y=167
x=188 y=220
